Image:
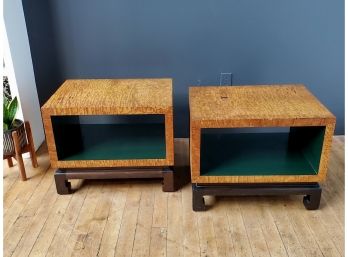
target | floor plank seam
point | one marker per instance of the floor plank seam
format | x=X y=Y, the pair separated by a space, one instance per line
x=320 y=247
x=136 y=224
x=45 y=224
x=308 y=228
x=118 y=237
x=263 y=234
x=74 y=226
x=99 y=244
x=23 y=209
x=246 y=232
x=230 y=228
x=280 y=236
x=90 y=224
x=28 y=226
x=167 y=227
x=39 y=182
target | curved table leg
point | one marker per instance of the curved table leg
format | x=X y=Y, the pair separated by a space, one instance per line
x=197 y=199
x=62 y=184
x=312 y=201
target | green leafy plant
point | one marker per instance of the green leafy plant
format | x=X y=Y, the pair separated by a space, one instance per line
x=10 y=110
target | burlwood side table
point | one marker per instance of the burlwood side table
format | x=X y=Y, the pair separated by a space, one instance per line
x=228 y=157
x=111 y=128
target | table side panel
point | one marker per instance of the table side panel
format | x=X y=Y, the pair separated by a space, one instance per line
x=106 y=110
x=95 y=95
x=51 y=145
x=195 y=146
x=169 y=131
x=250 y=123
x=112 y=163
x=326 y=150
x=270 y=102
x=256 y=179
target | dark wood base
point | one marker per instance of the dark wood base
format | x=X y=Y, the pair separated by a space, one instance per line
x=311 y=200
x=170 y=180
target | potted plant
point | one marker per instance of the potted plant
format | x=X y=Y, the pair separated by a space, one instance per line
x=11 y=124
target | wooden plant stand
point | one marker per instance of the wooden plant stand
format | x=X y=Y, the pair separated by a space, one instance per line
x=28 y=147
x=111 y=128
x=229 y=157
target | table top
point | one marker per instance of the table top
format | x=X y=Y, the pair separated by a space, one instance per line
x=111 y=96
x=259 y=102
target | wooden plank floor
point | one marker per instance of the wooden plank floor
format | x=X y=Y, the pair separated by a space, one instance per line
x=135 y=218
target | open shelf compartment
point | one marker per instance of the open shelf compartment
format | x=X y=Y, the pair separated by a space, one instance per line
x=109 y=137
x=249 y=153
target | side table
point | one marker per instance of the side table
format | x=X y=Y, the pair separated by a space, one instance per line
x=111 y=128
x=287 y=154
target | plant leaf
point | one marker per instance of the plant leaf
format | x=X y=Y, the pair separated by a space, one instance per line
x=6 y=101
x=5 y=113
x=5 y=127
x=12 y=110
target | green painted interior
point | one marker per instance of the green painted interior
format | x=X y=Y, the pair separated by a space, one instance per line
x=252 y=154
x=310 y=141
x=76 y=141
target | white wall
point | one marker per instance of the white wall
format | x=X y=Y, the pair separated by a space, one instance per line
x=20 y=68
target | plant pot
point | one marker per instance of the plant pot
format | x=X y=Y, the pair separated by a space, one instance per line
x=9 y=147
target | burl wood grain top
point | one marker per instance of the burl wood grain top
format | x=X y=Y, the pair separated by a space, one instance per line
x=261 y=102
x=111 y=96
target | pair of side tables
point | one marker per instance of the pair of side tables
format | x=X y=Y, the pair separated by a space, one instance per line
x=123 y=128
